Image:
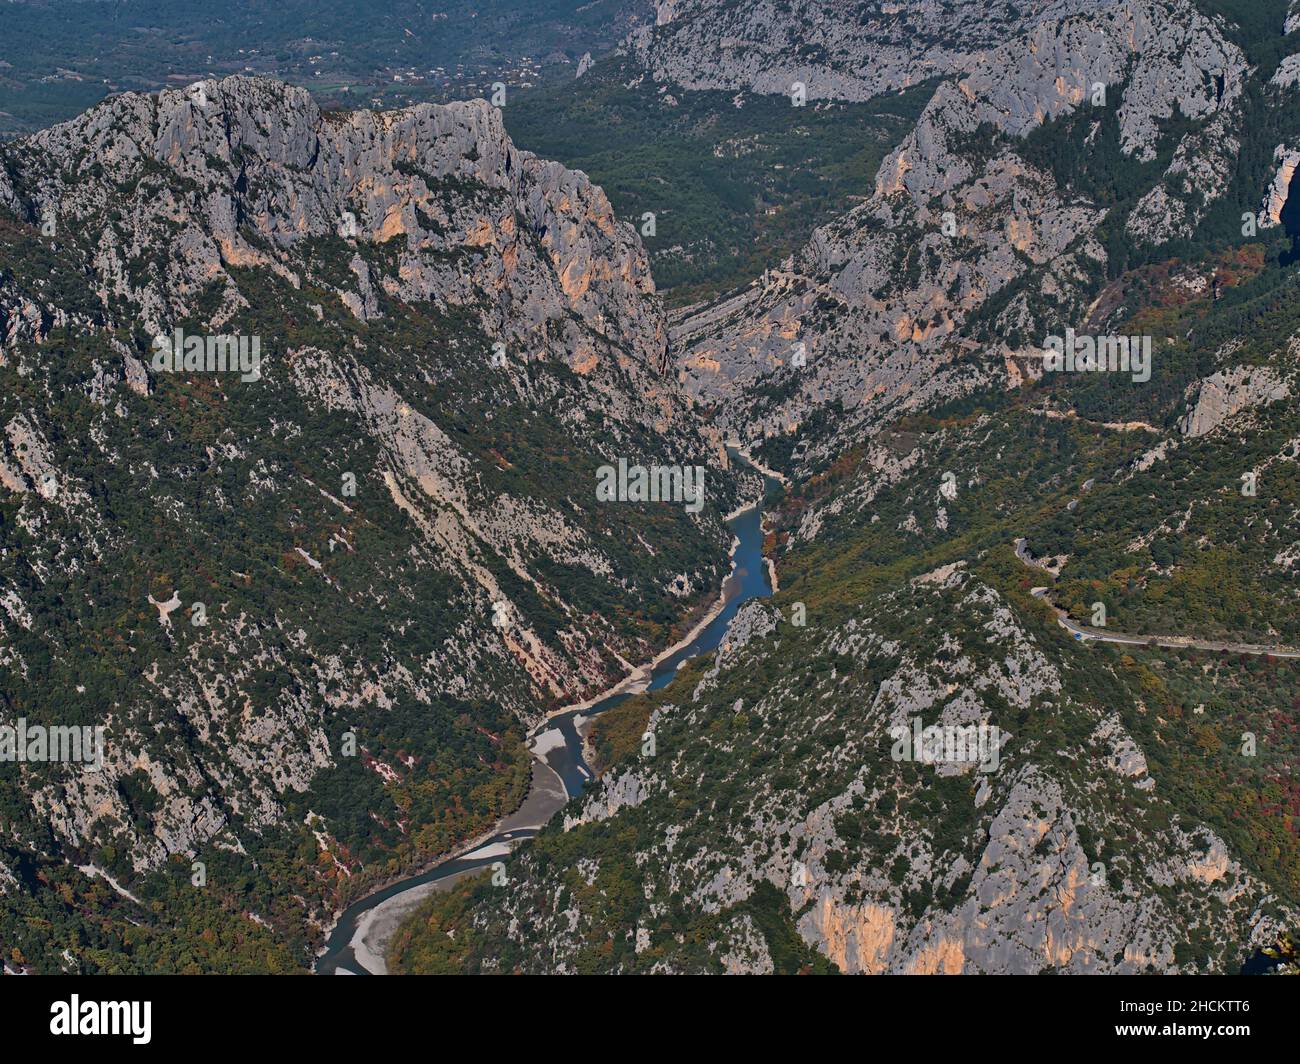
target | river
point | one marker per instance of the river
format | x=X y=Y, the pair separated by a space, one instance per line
x=560 y=771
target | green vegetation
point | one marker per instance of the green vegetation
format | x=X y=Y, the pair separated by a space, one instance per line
x=736 y=182
x=438 y=939
x=1194 y=710
x=210 y=488
x=62 y=57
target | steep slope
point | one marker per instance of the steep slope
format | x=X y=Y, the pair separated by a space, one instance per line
x=777 y=823
x=984 y=234
x=730 y=182
x=1140 y=815
x=1133 y=811
x=313 y=598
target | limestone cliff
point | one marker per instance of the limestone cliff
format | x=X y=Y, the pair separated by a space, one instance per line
x=372 y=562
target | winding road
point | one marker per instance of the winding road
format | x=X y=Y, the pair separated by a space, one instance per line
x=1084 y=633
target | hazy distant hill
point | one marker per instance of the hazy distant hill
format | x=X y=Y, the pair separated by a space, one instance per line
x=59 y=56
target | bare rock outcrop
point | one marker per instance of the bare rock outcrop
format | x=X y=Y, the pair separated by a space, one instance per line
x=1230 y=391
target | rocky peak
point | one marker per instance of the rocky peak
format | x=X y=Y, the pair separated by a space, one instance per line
x=880 y=297
x=1167 y=58
x=246 y=171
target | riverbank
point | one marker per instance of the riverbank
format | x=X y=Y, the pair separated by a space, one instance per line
x=759 y=467
x=634 y=683
x=358 y=936
x=545 y=795
x=637 y=680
